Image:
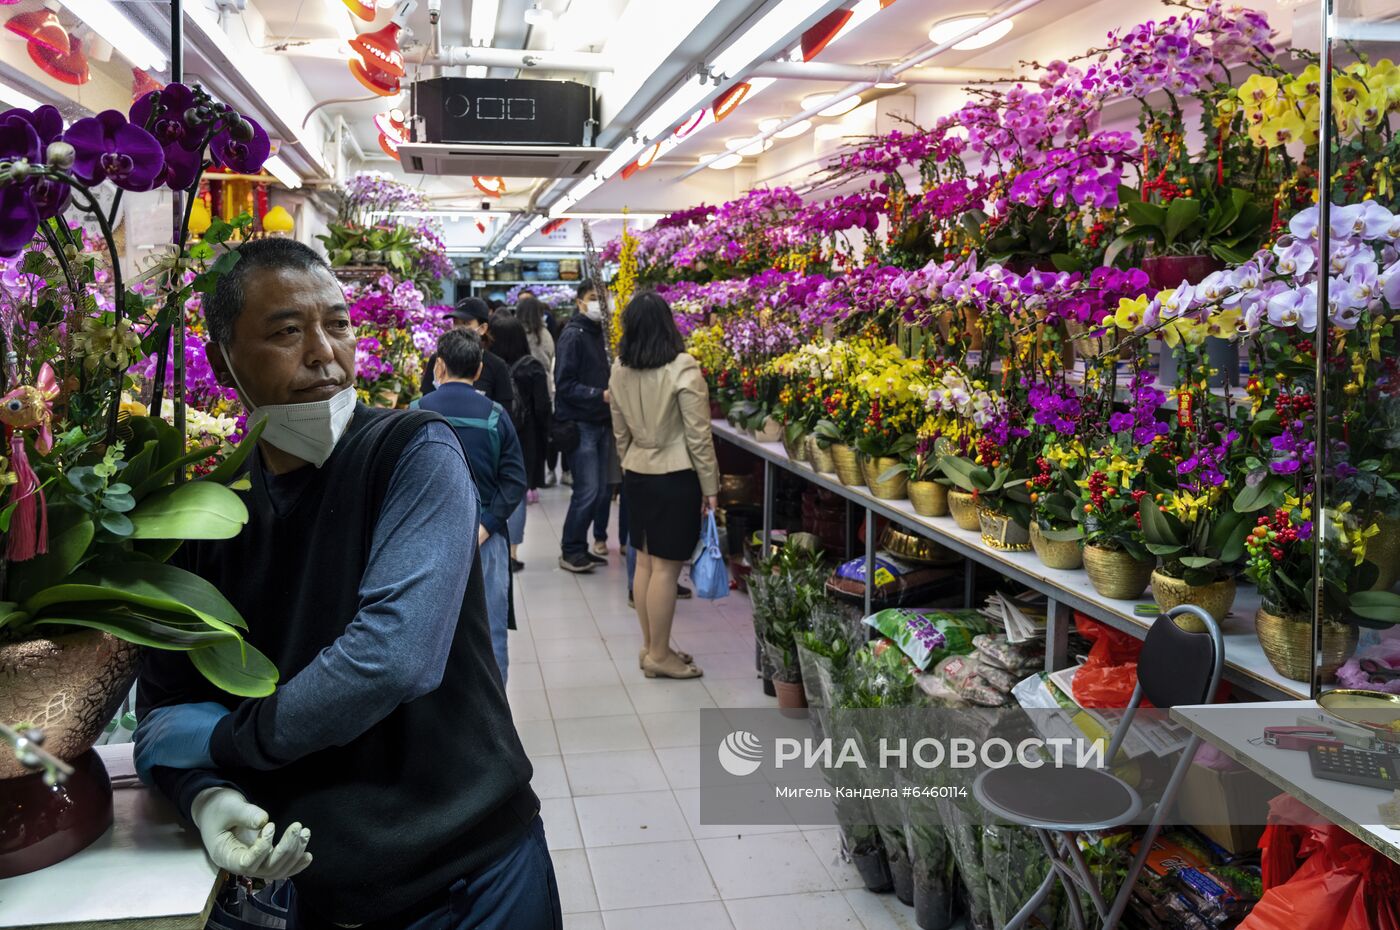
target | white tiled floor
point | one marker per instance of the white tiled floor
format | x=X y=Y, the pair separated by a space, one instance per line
x=617 y=765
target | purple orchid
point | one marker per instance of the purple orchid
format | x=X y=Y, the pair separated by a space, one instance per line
x=107 y=147
x=19 y=216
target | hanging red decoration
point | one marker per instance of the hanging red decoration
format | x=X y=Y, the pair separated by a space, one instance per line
x=42 y=28
x=70 y=68
x=820 y=35
x=380 y=50
x=629 y=169
x=729 y=101
x=364 y=9
x=554 y=226
x=142 y=84
x=392 y=124
x=645 y=159
x=692 y=124
x=490 y=186
x=385 y=85
x=390 y=147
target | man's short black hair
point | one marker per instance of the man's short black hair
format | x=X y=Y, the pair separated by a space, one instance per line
x=222 y=307
x=460 y=350
x=584 y=287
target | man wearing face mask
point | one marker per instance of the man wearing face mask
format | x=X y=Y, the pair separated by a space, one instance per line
x=581 y=397
x=389 y=739
x=474 y=315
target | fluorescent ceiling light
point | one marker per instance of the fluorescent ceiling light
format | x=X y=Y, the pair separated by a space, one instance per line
x=890 y=85
x=762 y=36
x=773 y=122
x=725 y=162
x=840 y=108
x=950 y=29
x=340 y=19
x=751 y=147
x=483 y=21
x=553 y=249
x=17 y=98
x=111 y=24
x=282 y=171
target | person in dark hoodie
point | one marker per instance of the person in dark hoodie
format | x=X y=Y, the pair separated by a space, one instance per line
x=581 y=399
x=388 y=747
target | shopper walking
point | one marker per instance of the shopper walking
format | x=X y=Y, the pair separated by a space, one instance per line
x=661 y=418
x=533 y=315
x=388 y=748
x=474 y=315
x=581 y=400
x=530 y=414
x=493 y=451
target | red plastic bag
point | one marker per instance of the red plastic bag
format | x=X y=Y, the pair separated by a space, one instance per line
x=1109 y=675
x=1318 y=876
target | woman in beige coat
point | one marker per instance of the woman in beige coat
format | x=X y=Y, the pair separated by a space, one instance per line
x=661 y=419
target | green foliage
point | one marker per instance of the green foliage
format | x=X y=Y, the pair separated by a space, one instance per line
x=1227 y=224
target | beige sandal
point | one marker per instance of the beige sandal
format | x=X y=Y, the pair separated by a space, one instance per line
x=681 y=669
x=685 y=657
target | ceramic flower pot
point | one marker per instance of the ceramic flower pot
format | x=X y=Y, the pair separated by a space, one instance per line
x=963 y=507
x=1064 y=554
x=930 y=499
x=1287 y=643
x=772 y=431
x=69 y=686
x=891 y=488
x=1215 y=598
x=795 y=449
x=847 y=461
x=820 y=458
x=717 y=411
x=1383 y=551
x=1001 y=532
x=1116 y=574
x=359 y=256
x=791 y=695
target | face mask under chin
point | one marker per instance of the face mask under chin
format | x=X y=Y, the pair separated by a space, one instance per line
x=309 y=431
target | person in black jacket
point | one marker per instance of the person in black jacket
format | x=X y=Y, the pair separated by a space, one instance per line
x=530 y=414
x=387 y=750
x=581 y=398
x=473 y=315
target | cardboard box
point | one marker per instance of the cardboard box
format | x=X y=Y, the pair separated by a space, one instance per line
x=1229 y=807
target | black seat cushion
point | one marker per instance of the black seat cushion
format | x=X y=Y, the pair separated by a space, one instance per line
x=1057 y=796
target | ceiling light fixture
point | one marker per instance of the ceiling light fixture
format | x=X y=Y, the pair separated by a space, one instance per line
x=17 y=98
x=482 y=30
x=757 y=41
x=793 y=131
x=754 y=147
x=840 y=108
x=725 y=162
x=889 y=85
x=282 y=171
x=950 y=29
x=112 y=25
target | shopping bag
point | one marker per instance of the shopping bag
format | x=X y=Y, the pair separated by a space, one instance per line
x=708 y=571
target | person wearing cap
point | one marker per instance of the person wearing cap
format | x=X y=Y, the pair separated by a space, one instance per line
x=474 y=315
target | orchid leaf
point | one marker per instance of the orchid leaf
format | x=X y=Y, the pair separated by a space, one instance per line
x=237 y=667
x=197 y=510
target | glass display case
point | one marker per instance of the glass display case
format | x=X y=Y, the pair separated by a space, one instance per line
x=1354 y=352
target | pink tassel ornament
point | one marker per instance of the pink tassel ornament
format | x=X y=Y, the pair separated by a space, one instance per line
x=29 y=524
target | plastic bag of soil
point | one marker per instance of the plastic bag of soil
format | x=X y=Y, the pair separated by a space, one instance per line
x=897 y=581
x=927 y=636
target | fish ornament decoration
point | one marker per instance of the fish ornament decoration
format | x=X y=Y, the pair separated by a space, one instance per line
x=29 y=407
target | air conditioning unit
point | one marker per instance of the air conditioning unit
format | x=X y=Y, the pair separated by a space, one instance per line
x=502 y=127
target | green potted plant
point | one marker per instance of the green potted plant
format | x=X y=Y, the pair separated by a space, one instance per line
x=1054 y=532
x=1002 y=501
x=1116 y=556
x=928 y=487
x=784 y=589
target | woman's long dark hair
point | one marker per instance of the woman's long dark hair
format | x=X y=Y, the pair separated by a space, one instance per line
x=530 y=312
x=510 y=342
x=649 y=335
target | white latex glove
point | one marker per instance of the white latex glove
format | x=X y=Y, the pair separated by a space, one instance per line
x=239 y=839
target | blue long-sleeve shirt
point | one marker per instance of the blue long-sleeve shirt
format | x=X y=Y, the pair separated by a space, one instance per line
x=396 y=647
x=499 y=469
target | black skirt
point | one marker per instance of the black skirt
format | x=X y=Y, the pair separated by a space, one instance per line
x=663 y=513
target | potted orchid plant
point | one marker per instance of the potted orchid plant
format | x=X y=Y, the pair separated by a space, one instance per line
x=97 y=503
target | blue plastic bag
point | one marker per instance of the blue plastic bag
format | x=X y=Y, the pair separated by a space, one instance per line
x=708 y=572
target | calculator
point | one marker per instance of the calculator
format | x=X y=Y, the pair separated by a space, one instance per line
x=1355 y=766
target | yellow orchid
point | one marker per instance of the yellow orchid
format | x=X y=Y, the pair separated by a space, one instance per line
x=1130 y=313
x=1257 y=91
x=1182 y=331
x=1224 y=324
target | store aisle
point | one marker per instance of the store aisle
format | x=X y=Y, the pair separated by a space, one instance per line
x=616 y=764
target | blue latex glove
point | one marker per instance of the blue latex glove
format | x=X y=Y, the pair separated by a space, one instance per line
x=177 y=737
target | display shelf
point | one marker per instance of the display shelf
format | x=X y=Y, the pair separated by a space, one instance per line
x=1246 y=665
x=475 y=283
x=148 y=872
x=1237 y=734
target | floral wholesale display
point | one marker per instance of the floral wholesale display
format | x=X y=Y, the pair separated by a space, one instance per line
x=376 y=226
x=397 y=331
x=1042 y=313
